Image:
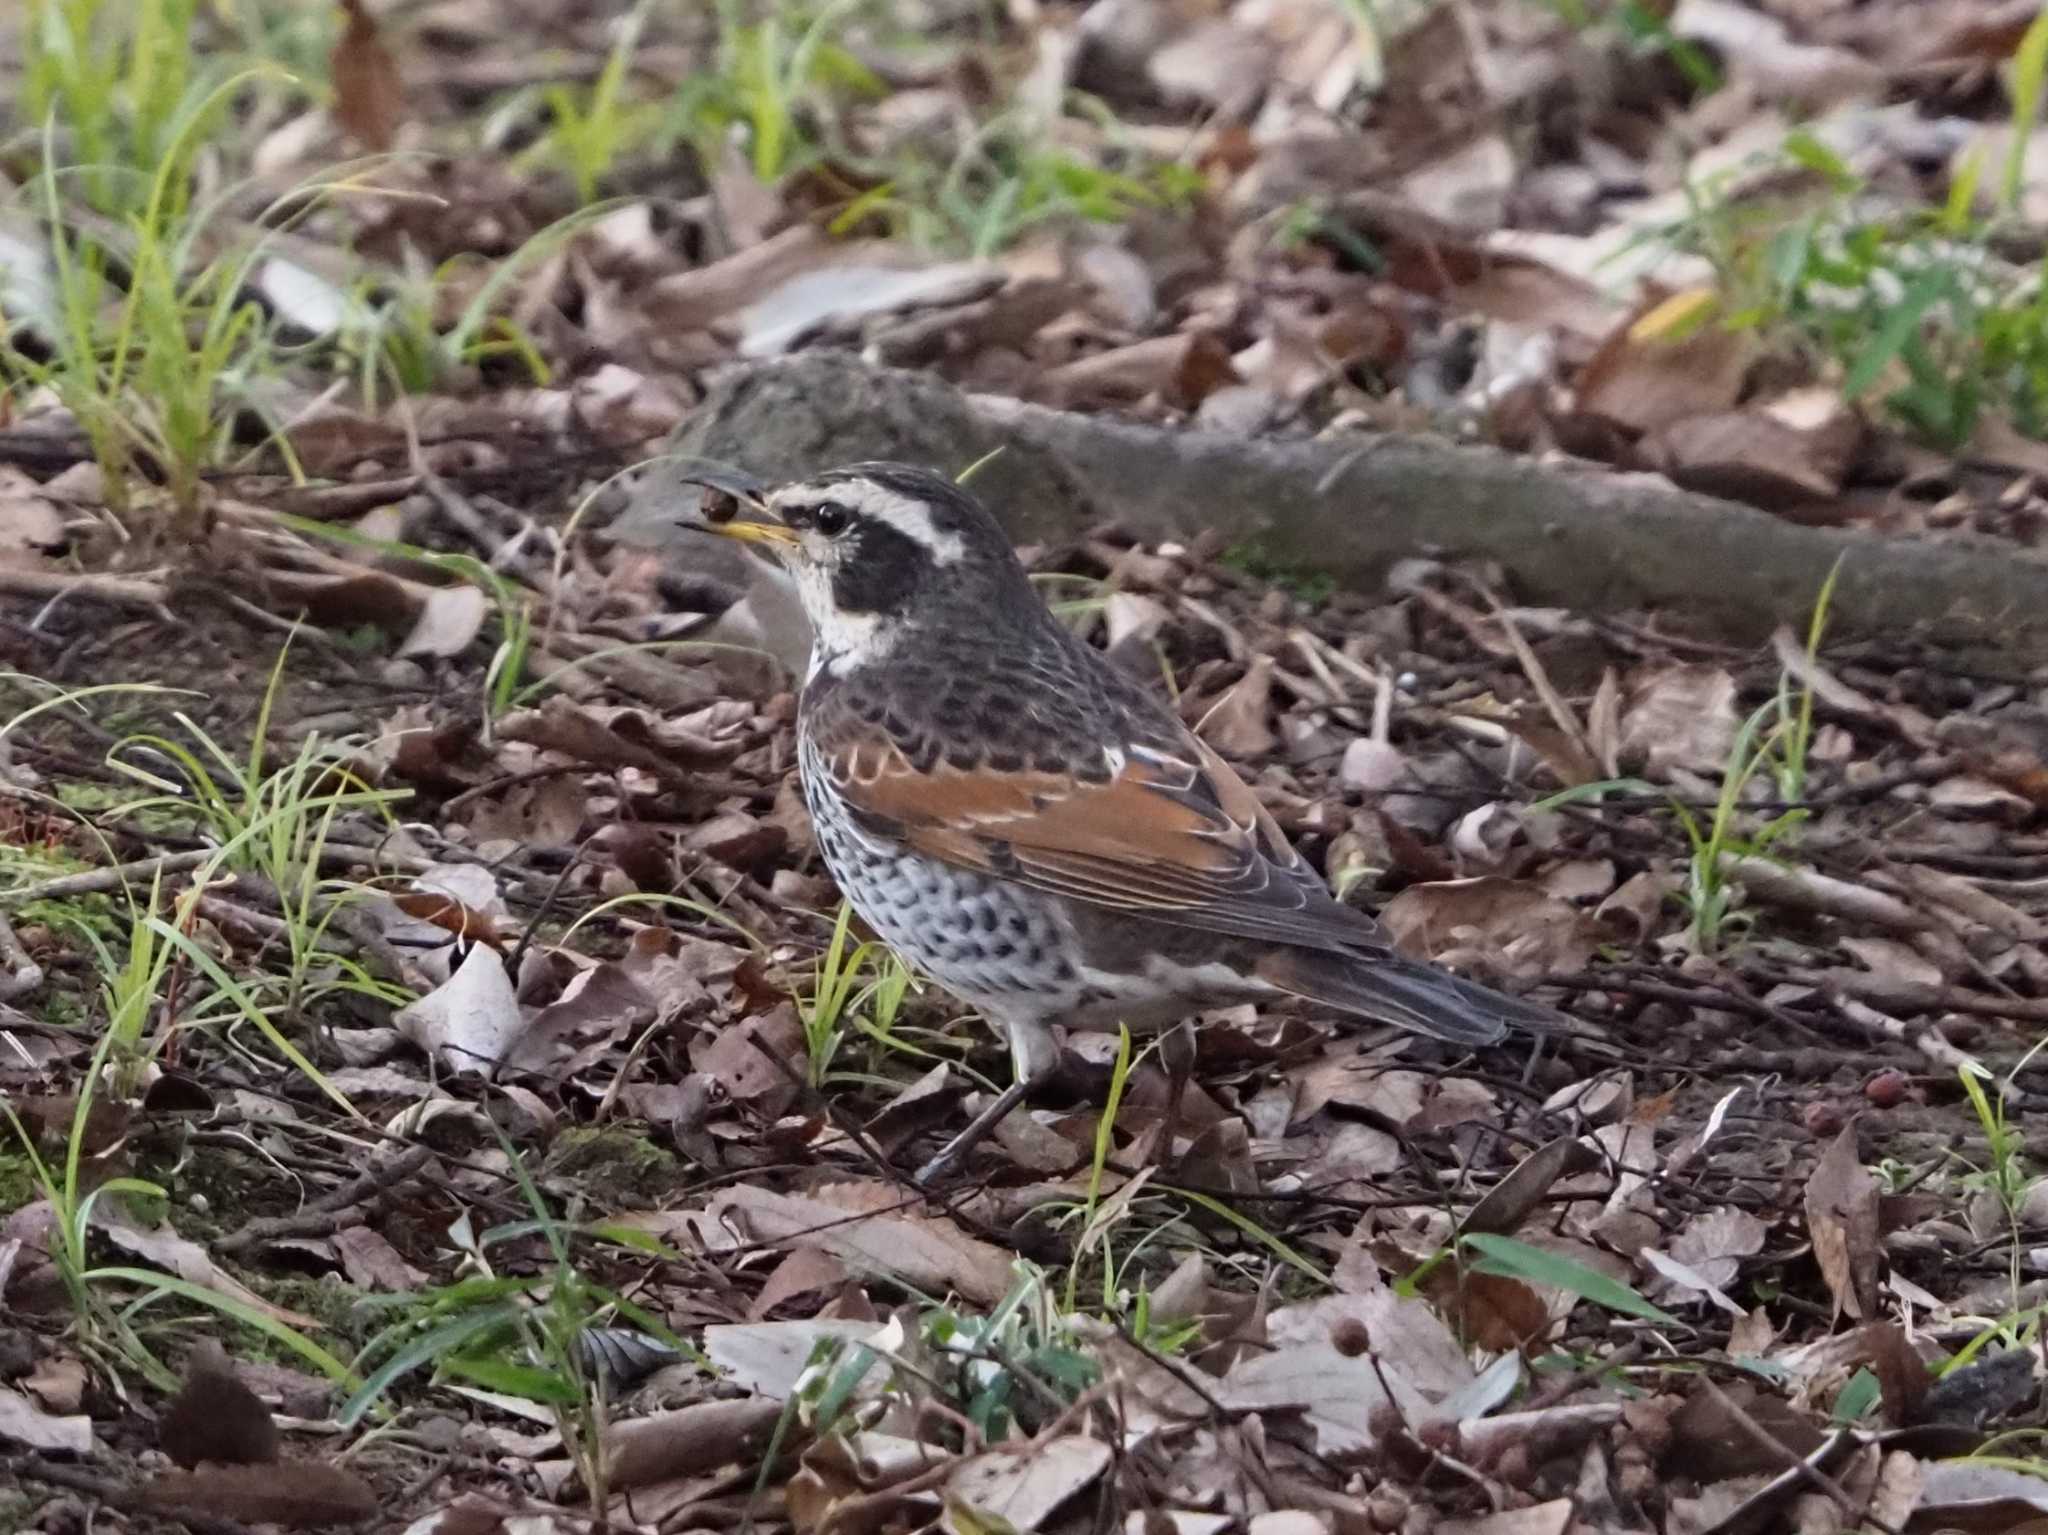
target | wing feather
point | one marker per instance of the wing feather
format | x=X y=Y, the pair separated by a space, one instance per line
x=1176 y=836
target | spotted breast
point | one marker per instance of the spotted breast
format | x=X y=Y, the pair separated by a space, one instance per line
x=997 y=946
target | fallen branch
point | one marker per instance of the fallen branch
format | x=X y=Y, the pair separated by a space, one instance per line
x=1922 y=1038
x=1796 y=889
x=332 y=855
x=1574 y=534
x=23 y=975
x=122 y=591
x=345 y=1206
x=100 y=881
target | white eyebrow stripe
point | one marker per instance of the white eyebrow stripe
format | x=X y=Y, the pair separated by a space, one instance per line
x=908 y=516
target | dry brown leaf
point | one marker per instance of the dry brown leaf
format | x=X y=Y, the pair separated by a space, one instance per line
x=928 y=1253
x=1349 y=1153
x=299 y=1495
x=1841 y=1221
x=1509 y=927
x=371 y=1262
x=1568 y=759
x=1339 y=1396
x=1511 y=1201
x=1643 y=383
x=1432 y=257
x=30 y=523
x=1023 y=1486
x=615 y=737
x=840 y=293
x=1970 y=33
x=769 y=1358
x=1468 y=186
x=1491 y=1310
x=1579 y=880
x=58 y=1381
x=605 y=1002
x=1516 y=289
x=547 y=814
x=369 y=96
x=1751 y=1335
x=472 y=1019
x=1746 y=455
x=163 y=1246
x=805 y=1272
x=1357 y=1081
x=1892 y=961
x=347 y=599
x=24 y=1422
x=1680 y=716
x=1183 y=370
x=1218 y=64
x=688 y=1440
x=1552 y=1518
x=1762 y=55
x=692 y=300
x=1901 y=1372
x=741 y=841
x=840 y=1473
x=1718 y=1443
x=451 y=618
x=450 y=915
x=1710 y=1250
x=739 y=1057
x=1240 y=723
x=1402 y=1332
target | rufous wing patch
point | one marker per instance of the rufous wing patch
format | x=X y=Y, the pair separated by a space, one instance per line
x=1145 y=838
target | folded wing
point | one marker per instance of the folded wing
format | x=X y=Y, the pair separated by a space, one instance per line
x=1177 y=838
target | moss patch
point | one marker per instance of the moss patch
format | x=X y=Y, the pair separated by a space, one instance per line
x=19 y=1185
x=619 y=1159
x=1254 y=558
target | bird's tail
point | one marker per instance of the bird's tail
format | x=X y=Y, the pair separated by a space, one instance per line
x=1391 y=989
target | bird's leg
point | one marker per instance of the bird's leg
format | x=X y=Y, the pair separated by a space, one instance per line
x=1177 y=1054
x=1034 y=1056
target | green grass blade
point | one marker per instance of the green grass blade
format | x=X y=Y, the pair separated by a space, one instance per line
x=2028 y=64
x=241 y=1311
x=1507 y=1258
x=233 y=990
x=1899 y=325
x=1252 y=1229
x=423 y=1350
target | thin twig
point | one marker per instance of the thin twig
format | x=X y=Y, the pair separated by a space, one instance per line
x=100 y=881
x=24 y=975
x=327 y=1213
x=1762 y=1437
x=840 y=1122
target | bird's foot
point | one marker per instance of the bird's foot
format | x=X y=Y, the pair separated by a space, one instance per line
x=955 y=1151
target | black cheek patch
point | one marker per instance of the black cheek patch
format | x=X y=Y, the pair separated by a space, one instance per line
x=880 y=570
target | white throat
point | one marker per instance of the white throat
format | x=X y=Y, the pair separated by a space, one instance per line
x=840 y=642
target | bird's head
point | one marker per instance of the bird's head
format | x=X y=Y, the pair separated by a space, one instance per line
x=878 y=551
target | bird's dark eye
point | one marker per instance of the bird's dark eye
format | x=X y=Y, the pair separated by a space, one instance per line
x=830 y=518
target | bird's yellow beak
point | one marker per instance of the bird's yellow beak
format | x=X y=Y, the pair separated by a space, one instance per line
x=772 y=534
